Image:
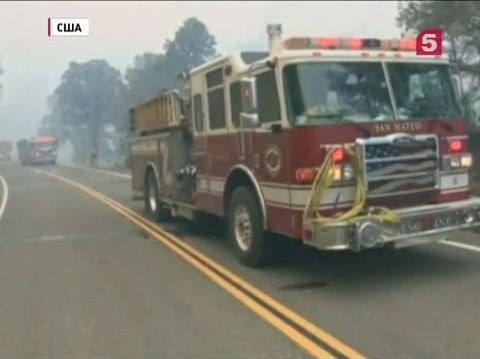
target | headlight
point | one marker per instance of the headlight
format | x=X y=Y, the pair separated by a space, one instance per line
x=466 y=160
x=459 y=161
x=347 y=172
x=344 y=172
x=455 y=162
x=337 y=173
x=469 y=216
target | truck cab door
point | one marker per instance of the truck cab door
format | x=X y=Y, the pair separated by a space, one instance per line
x=247 y=120
x=262 y=141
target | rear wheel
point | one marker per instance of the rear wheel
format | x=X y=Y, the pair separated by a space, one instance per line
x=153 y=207
x=245 y=228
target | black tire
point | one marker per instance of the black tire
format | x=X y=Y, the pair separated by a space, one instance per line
x=159 y=213
x=258 y=252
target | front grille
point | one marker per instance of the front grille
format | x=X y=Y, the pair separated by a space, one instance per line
x=400 y=164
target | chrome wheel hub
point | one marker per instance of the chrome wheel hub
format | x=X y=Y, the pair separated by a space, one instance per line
x=243 y=228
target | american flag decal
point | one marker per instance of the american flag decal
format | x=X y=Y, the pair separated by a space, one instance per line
x=400 y=167
x=380 y=169
x=388 y=150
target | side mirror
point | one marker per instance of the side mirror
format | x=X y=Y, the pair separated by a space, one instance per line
x=248 y=90
x=249 y=116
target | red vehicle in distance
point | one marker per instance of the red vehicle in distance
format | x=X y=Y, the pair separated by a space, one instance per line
x=38 y=150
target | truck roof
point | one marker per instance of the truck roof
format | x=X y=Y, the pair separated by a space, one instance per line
x=45 y=138
x=364 y=55
x=238 y=60
x=337 y=49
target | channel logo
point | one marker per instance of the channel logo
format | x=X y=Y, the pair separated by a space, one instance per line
x=429 y=42
x=68 y=27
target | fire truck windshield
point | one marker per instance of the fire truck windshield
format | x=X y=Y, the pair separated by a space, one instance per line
x=326 y=92
x=321 y=92
x=422 y=91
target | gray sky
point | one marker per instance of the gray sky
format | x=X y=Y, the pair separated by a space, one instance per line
x=33 y=62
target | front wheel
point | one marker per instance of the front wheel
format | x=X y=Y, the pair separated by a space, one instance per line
x=153 y=206
x=245 y=228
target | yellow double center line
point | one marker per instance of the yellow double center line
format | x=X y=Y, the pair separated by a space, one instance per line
x=307 y=335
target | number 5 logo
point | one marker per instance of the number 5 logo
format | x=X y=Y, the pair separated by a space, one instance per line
x=429 y=42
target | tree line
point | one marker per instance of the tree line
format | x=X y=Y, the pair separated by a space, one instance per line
x=89 y=107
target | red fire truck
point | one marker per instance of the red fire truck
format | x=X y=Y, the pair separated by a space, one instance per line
x=38 y=150
x=340 y=143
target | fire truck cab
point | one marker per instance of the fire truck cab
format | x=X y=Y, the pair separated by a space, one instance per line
x=261 y=125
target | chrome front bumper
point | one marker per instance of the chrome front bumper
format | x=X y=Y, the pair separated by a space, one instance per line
x=417 y=225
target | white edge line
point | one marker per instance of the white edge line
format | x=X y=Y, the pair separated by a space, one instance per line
x=3 y=205
x=118 y=174
x=467 y=247
x=122 y=175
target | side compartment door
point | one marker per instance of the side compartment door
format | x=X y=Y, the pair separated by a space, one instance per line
x=142 y=152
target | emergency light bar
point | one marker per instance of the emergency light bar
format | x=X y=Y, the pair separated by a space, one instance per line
x=298 y=43
x=44 y=138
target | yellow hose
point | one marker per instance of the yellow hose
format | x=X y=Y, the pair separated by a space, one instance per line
x=324 y=179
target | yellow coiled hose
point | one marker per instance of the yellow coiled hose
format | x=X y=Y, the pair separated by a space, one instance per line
x=323 y=180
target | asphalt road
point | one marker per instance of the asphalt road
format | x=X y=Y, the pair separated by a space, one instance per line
x=79 y=280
